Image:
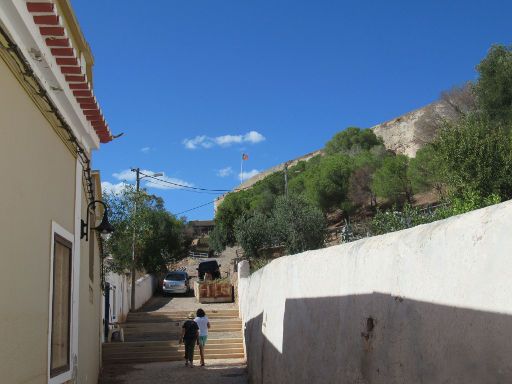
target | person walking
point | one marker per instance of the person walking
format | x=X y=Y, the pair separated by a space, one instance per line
x=204 y=324
x=189 y=336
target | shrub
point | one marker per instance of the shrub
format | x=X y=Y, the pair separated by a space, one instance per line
x=297 y=224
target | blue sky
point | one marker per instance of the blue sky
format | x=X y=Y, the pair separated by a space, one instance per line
x=194 y=84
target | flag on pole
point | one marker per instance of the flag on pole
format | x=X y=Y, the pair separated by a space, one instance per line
x=245 y=156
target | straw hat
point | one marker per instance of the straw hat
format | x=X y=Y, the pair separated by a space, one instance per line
x=191 y=315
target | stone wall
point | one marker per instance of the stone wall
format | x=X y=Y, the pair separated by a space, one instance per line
x=431 y=304
x=408 y=133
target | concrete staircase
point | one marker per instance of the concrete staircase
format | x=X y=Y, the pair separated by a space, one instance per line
x=153 y=336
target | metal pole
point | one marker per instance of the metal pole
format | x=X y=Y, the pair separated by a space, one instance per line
x=132 y=302
x=286 y=179
x=242 y=170
x=106 y=319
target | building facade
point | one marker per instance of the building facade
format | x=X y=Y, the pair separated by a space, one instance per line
x=50 y=123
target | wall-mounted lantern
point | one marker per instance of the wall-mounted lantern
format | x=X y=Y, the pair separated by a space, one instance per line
x=104 y=228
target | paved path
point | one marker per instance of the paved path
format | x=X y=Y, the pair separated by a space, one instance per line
x=229 y=371
x=216 y=371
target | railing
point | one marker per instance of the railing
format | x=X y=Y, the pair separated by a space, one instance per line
x=198 y=254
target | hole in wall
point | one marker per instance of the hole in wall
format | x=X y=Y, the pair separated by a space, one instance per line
x=370 y=324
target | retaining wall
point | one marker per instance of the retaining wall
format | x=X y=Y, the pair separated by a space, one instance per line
x=120 y=295
x=432 y=304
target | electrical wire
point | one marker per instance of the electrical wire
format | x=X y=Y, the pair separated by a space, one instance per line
x=185 y=186
x=192 y=209
x=206 y=192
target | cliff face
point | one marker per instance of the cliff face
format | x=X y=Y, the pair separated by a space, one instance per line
x=408 y=133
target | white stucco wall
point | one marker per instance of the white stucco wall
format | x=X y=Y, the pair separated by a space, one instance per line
x=120 y=294
x=144 y=289
x=432 y=304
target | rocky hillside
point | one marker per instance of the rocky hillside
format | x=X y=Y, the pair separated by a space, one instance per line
x=403 y=135
x=408 y=133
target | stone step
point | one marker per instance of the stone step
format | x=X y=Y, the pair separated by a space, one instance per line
x=173 y=318
x=178 y=324
x=178 y=357
x=167 y=350
x=171 y=352
x=173 y=336
x=224 y=312
x=167 y=343
x=153 y=336
x=177 y=330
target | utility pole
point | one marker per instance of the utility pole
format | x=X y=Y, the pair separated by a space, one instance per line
x=132 y=302
x=137 y=178
x=286 y=179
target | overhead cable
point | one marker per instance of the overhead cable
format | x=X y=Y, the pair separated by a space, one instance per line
x=192 y=209
x=183 y=185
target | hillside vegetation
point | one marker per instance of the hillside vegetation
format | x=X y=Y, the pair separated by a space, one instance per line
x=468 y=165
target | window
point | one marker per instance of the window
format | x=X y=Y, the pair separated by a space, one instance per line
x=175 y=276
x=61 y=306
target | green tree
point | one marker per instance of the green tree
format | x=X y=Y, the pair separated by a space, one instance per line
x=218 y=238
x=164 y=241
x=156 y=233
x=297 y=224
x=391 y=180
x=494 y=85
x=327 y=182
x=352 y=141
x=360 y=189
x=253 y=232
x=234 y=205
x=423 y=171
x=475 y=154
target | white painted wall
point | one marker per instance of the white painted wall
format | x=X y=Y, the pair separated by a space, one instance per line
x=439 y=296
x=120 y=294
x=145 y=287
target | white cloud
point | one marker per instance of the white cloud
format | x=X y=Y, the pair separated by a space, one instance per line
x=152 y=183
x=254 y=137
x=224 y=172
x=128 y=175
x=145 y=149
x=108 y=187
x=228 y=140
x=248 y=175
x=204 y=141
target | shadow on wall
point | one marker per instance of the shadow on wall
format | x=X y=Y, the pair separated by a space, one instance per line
x=377 y=338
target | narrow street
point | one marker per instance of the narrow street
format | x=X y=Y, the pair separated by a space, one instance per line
x=150 y=352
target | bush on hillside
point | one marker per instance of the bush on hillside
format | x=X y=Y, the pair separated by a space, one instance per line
x=494 y=86
x=391 y=181
x=297 y=224
x=351 y=141
x=326 y=184
x=253 y=232
x=423 y=171
x=475 y=154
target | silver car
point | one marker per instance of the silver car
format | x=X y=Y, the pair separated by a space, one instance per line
x=176 y=282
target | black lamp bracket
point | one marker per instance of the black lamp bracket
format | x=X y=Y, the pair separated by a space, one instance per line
x=85 y=225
